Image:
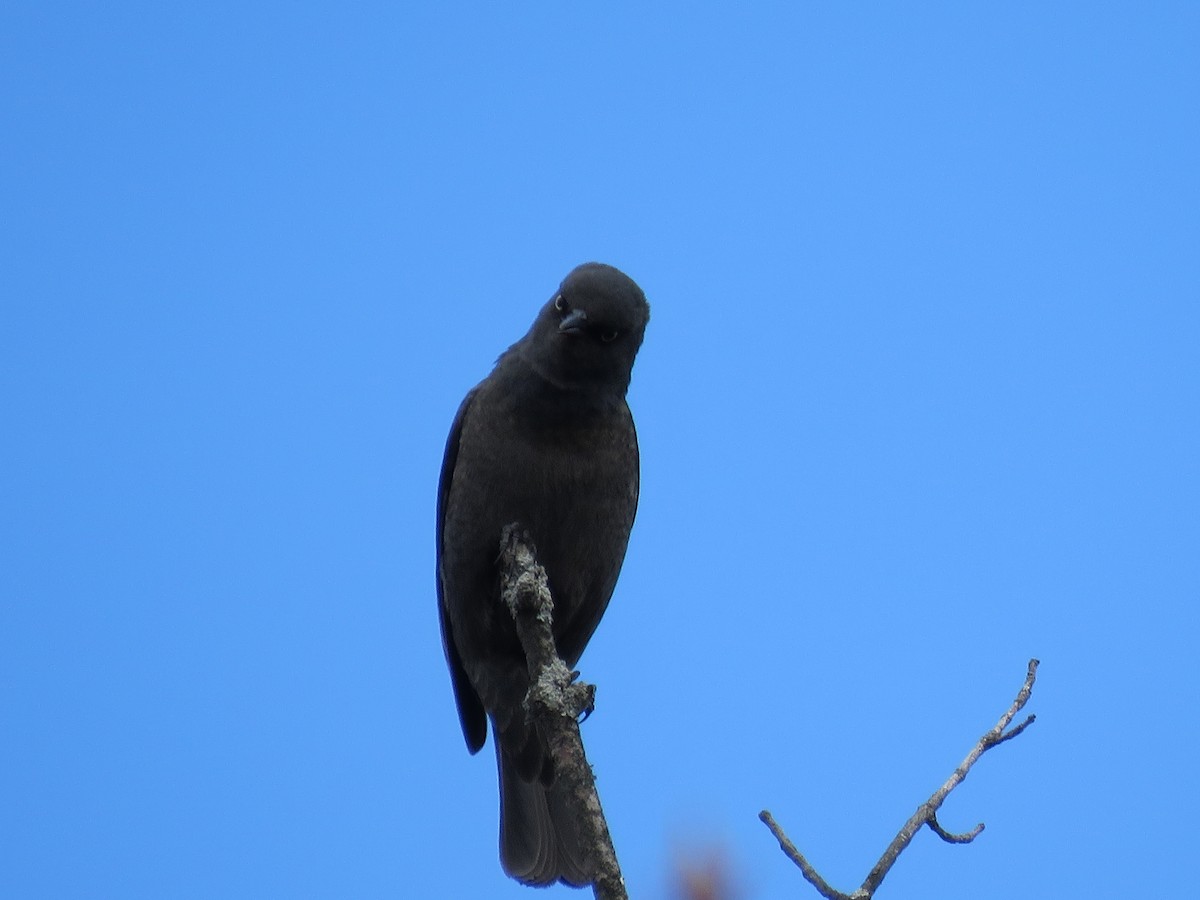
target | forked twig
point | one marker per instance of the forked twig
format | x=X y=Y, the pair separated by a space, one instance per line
x=926 y=813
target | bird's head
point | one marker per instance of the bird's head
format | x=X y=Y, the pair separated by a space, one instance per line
x=589 y=332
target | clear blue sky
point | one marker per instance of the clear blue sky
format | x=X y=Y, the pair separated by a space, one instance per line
x=919 y=399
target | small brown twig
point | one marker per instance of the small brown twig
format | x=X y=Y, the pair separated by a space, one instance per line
x=926 y=813
x=556 y=701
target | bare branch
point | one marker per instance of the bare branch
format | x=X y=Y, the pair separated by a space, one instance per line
x=1009 y=735
x=556 y=701
x=949 y=837
x=926 y=813
x=812 y=875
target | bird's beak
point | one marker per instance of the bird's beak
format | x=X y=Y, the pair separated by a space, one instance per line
x=573 y=322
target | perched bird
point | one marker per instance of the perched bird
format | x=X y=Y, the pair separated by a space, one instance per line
x=545 y=441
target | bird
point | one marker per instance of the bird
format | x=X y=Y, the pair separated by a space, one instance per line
x=546 y=441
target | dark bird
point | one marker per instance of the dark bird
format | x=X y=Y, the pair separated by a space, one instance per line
x=546 y=441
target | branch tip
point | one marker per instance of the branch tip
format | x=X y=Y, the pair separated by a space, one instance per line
x=949 y=836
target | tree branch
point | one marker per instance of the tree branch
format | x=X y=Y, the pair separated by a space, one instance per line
x=555 y=700
x=926 y=813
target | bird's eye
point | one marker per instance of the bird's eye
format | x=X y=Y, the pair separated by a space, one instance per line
x=609 y=336
x=560 y=304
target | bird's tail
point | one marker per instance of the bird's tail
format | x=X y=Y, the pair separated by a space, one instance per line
x=539 y=835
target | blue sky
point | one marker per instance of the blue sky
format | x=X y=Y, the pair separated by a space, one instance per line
x=918 y=401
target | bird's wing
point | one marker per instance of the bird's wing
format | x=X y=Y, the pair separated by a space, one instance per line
x=470 y=709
